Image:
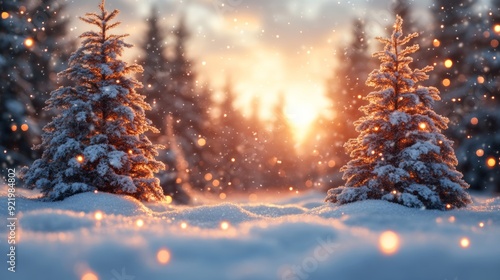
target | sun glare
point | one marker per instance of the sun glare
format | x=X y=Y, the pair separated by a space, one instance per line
x=300 y=117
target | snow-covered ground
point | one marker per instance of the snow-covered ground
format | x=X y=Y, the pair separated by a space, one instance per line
x=108 y=237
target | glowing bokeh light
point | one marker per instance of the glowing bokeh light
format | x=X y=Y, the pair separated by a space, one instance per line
x=224 y=225
x=389 y=242
x=491 y=162
x=496 y=28
x=163 y=256
x=222 y=196
x=98 y=215
x=474 y=121
x=202 y=142
x=29 y=42
x=436 y=43
x=184 y=225
x=89 y=276
x=422 y=125
x=448 y=63
x=24 y=127
x=480 y=152
x=464 y=242
x=446 y=82
x=139 y=223
x=79 y=158
x=5 y=15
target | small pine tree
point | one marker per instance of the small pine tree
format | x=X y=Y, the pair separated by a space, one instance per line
x=97 y=142
x=400 y=154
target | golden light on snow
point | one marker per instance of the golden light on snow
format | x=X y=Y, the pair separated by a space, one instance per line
x=448 y=63
x=24 y=127
x=29 y=42
x=5 y=15
x=422 y=125
x=446 y=82
x=163 y=256
x=464 y=242
x=79 y=158
x=474 y=121
x=480 y=79
x=202 y=142
x=98 y=215
x=89 y=276
x=480 y=152
x=13 y=127
x=491 y=162
x=496 y=28
x=224 y=225
x=184 y=225
x=436 y=43
x=222 y=196
x=388 y=242
x=139 y=223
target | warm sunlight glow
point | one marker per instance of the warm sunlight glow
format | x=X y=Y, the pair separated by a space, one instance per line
x=5 y=15
x=389 y=242
x=300 y=115
x=464 y=242
x=139 y=223
x=422 y=125
x=224 y=225
x=480 y=152
x=448 y=63
x=184 y=225
x=491 y=162
x=89 y=276
x=163 y=256
x=481 y=224
x=79 y=158
x=98 y=215
x=29 y=42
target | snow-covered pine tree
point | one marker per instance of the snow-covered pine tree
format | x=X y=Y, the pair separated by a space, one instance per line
x=97 y=141
x=400 y=154
x=18 y=129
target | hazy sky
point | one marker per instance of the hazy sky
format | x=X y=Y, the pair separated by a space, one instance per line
x=266 y=47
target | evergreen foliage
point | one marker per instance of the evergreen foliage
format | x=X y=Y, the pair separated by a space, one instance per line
x=400 y=154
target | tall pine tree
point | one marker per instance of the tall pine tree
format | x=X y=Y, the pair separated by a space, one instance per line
x=400 y=154
x=97 y=142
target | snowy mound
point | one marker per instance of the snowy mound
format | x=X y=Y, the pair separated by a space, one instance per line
x=283 y=239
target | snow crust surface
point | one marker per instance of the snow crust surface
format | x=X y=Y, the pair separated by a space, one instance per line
x=297 y=237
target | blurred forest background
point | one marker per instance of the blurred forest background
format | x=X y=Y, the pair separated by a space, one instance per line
x=215 y=145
